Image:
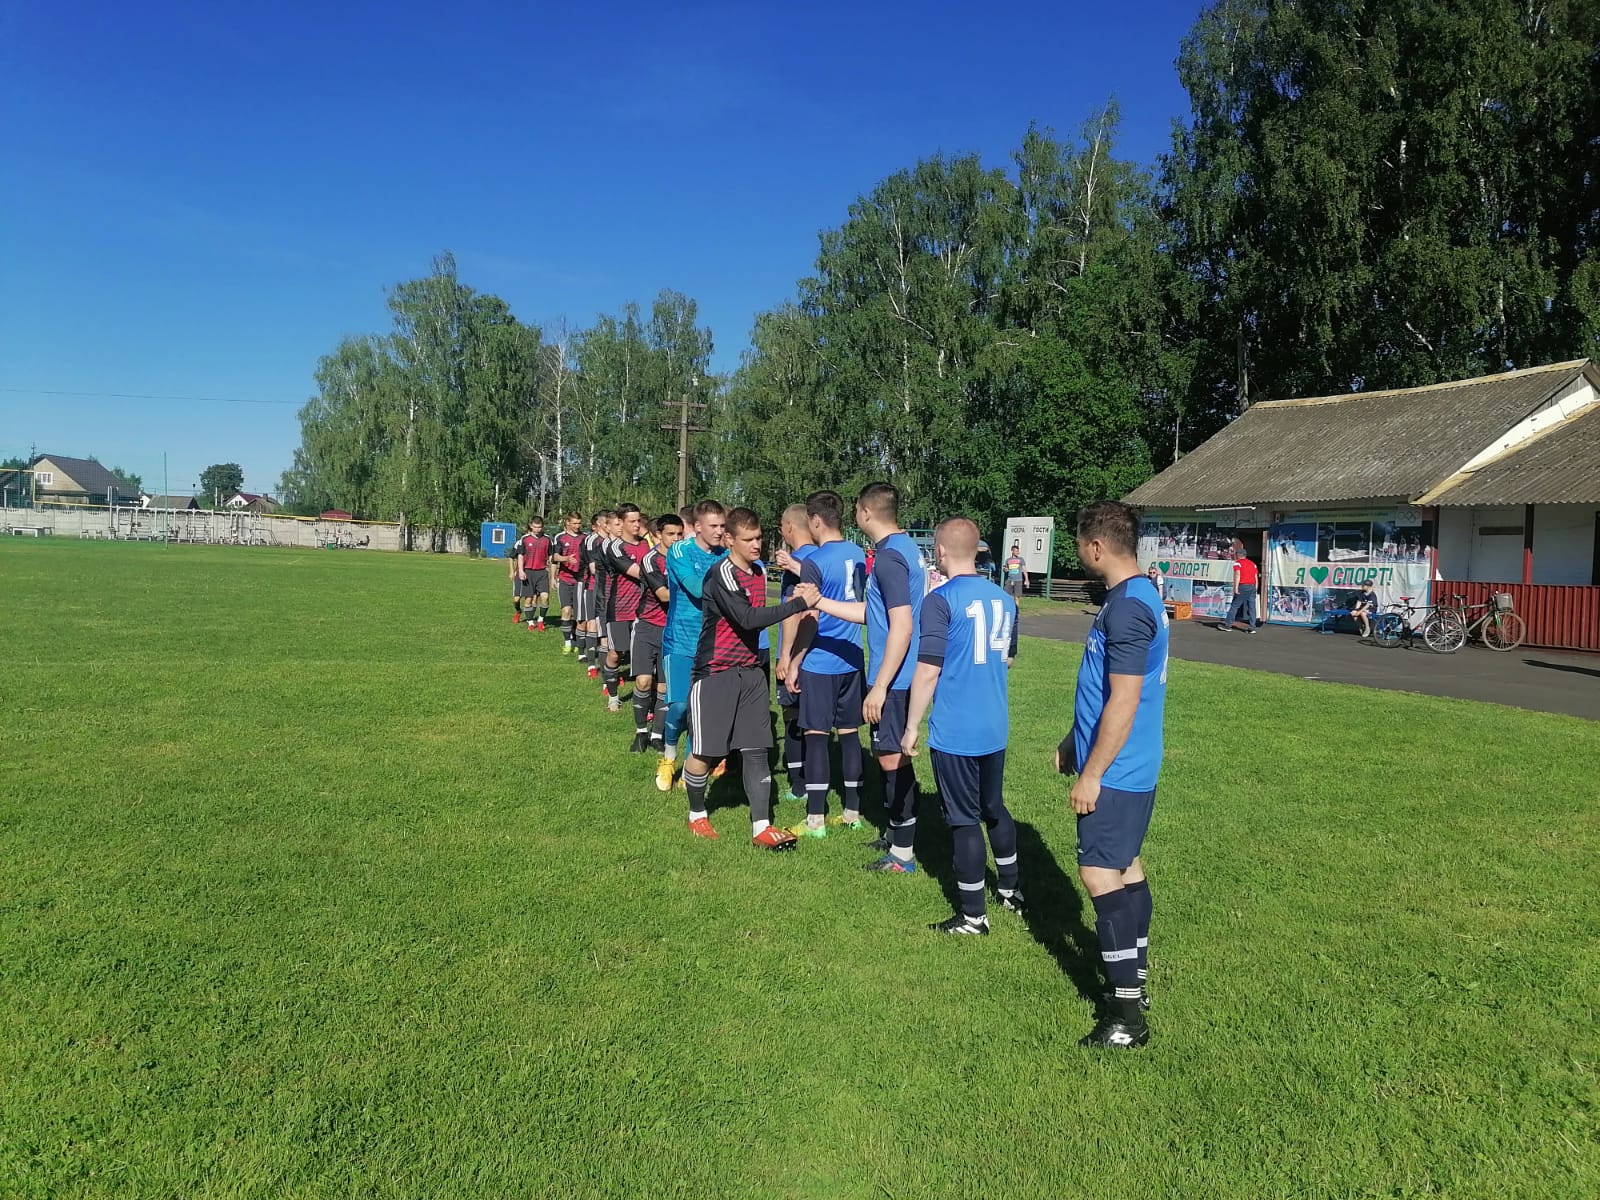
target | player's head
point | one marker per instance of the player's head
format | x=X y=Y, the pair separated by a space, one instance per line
x=628 y=518
x=610 y=522
x=535 y=524
x=669 y=530
x=825 y=514
x=687 y=515
x=598 y=521
x=572 y=521
x=1108 y=538
x=878 y=509
x=744 y=537
x=795 y=526
x=955 y=546
x=710 y=519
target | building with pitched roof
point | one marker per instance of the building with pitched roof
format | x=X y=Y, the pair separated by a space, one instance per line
x=57 y=479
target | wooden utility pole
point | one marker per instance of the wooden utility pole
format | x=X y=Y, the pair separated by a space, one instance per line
x=684 y=430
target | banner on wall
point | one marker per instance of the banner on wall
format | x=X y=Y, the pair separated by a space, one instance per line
x=1195 y=559
x=1318 y=563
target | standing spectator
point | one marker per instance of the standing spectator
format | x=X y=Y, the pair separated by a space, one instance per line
x=1245 y=580
x=1015 y=571
x=1156 y=577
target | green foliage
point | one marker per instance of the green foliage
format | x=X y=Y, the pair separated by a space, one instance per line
x=134 y=481
x=220 y=481
x=388 y=933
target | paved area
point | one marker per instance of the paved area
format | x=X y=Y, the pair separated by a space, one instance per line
x=1544 y=681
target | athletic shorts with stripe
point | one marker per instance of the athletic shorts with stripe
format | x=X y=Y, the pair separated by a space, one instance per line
x=644 y=652
x=618 y=636
x=970 y=786
x=585 y=606
x=567 y=595
x=891 y=726
x=730 y=710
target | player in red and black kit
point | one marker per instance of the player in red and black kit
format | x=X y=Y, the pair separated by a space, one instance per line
x=568 y=556
x=644 y=652
x=533 y=572
x=624 y=553
x=591 y=592
x=729 y=701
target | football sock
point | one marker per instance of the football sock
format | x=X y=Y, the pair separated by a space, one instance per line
x=658 y=720
x=757 y=784
x=516 y=607
x=641 y=709
x=610 y=676
x=1139 y=899
x=695 y=785
x=816 y=773
x=757 y=828
x=567 y=635
x=1119 y=952
x=900 y=796
x=1003 y=840
x=850 y=769
x=794 y=754
x=971 y=860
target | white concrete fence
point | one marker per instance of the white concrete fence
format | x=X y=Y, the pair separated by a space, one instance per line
x=207 y=527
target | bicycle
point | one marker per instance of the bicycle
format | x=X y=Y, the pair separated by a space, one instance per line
x=1498 y=627
x=1442 y=629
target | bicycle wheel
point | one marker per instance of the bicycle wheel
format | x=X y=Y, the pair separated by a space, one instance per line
x=1444 y=634
x=1386 y=630
x=1504 y=631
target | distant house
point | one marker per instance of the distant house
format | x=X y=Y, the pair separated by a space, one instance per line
x=61 y=480
x=181 y=503
x=336 y=514
x=253 y=502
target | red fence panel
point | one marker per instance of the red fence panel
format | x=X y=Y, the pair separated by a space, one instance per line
x=1559 y=618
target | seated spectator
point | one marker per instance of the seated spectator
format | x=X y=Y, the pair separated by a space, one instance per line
x=1364 y=609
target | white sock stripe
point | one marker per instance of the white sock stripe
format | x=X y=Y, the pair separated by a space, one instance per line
x=1118 y=955
x=852 y=783
x=902 y=824
x=816 y=787
x=969 y=887
x=1143 y=974
x=1005 y=862
x=1128 y=993
x=696 y=816
x=1141 y=942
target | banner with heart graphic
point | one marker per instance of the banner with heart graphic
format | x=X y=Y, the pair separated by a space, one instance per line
x=1317 y=568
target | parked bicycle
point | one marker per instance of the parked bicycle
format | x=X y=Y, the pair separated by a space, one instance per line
x=1441 y=627
x=1497 y=624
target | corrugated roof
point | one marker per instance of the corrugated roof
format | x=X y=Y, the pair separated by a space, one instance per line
x=1559 y=466
x=89 y=475
x=1361 y=446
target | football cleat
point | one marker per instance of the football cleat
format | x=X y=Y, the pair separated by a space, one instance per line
x=853 y=823
x=1109 y=998
x=541 y=626
x=789 y=797
x=773 y=838
x=1013 y=902
x=614 y=705
x=641 y=743
x=806 y=830
x=702 y=829
x=594 y=672
x=1123 y=1027
x=894 y=866
x=881 y=843
x=666 y=769
x=960 y=923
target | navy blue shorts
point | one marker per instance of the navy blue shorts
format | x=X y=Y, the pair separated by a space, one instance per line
x=1112 y=835
x=830 y=701
x=891 y=726
x=787 y=699
x=970 y=786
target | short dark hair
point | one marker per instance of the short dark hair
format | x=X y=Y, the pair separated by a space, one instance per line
x=687 y=513
x=880 y=499
x=828 y=507
x=600 y=515
x=573 y=516
x=535 y=520
x=742 y=518
x=1112 y=522
x=666 y=522
x=624 y=509
x=607 y=514
x=709 y=508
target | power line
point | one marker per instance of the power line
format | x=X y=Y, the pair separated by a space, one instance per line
x=135 y=396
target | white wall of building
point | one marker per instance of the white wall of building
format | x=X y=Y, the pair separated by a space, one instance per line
x=1563 y=543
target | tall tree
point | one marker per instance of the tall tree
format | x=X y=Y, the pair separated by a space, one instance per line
x=220 y=481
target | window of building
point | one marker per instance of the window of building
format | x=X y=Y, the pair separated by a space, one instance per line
x=45 y=477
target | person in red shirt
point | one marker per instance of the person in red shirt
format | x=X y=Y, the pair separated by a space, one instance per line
x=644 y=651
x=568 y=556
x=533 y=572
x=1245 y=582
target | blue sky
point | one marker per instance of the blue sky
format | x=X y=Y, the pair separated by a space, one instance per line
x=198 y=200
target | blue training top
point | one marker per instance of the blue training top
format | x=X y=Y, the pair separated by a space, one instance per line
x=1129 y=637
x=839 y=569
x=899 y=580
x=969 y=630
x=687 y=564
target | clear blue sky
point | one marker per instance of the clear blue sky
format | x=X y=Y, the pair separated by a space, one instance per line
x=198 y=200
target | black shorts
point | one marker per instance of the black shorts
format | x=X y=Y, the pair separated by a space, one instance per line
x=1113 y=834
x=891 y=726
x=970 y=786
x=830 y=701
x=567 y=594
x=585 y=606
x=644 y=652
x=618 y=635
x=729 y=710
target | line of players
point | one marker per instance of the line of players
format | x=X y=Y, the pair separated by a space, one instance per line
x=683 y=603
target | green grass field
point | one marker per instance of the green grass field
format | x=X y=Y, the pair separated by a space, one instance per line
x=320 y=879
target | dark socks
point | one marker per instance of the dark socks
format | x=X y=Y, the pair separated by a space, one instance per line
x=658 y=721
x=757 y=784
x=1115 y=926
x=850 y=769
x=641 y=709
x=900 y=798
x=818 y=769
x=611 y=677
x=1139 y=901
x=1003 y=840
x=794 y=756
x=695 y=785
x=971 y=859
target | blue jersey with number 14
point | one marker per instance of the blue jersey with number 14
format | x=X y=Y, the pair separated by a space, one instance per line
x=969 y=630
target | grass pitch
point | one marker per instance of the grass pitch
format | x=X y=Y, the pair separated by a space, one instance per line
x=320 y=879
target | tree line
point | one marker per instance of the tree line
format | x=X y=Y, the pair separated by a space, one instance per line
x=1363 y=195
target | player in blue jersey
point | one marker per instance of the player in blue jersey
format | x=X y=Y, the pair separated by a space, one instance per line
x=687 y=564
x=1115 y=750
x=825 y=666
x=890 y=611
x=795 y=527
x=964 y=651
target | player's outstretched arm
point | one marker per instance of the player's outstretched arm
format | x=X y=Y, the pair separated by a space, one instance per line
x=854 y=611
x=737 y=610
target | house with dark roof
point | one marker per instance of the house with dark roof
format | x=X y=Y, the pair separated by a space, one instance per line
x=58 y=479
x=178 y=503
x=1462 y=488
x=252 y=502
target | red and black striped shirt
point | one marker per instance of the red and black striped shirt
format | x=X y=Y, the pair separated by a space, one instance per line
x=568 y=544
x=652 y=610
x=734 y=611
